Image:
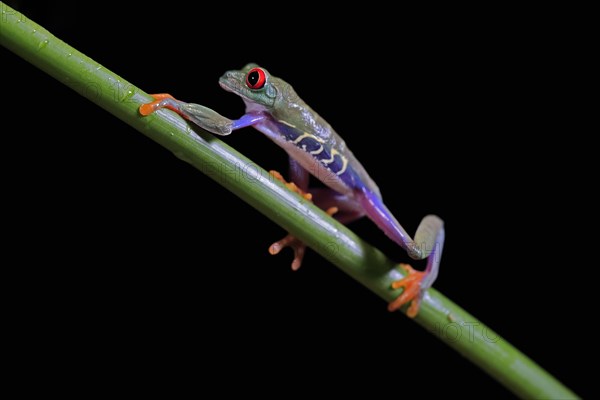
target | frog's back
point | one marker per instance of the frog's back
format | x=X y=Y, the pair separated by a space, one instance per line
x=310 y=140
x=361 y=178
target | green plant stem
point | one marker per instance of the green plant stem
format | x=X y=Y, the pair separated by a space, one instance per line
x=335 y=242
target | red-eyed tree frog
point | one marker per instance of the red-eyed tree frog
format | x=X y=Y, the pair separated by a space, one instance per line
x=314 y=148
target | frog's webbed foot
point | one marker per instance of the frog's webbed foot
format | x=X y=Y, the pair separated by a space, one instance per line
x=202 y=116
x=412 y=291
x=290 y=240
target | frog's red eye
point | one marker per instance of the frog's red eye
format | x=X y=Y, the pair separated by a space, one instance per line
x=256 y=78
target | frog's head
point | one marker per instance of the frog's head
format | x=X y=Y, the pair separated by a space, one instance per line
x=253 y=84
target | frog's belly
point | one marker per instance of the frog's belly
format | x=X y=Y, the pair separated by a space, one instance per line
x=325 y=166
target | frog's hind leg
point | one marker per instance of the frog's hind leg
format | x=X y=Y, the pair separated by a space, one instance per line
x=428 y=244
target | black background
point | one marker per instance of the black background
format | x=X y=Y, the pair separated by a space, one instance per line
x=116 y=236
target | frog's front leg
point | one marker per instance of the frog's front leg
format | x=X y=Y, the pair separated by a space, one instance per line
x=328 y=200
x=202 y=116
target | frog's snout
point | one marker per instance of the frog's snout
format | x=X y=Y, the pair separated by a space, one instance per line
x=225 y=83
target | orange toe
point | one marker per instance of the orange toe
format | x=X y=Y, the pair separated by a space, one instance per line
x=332 y=210
x=147 y=109
x=290 y=185
x=296 y=245
x=411 y=293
